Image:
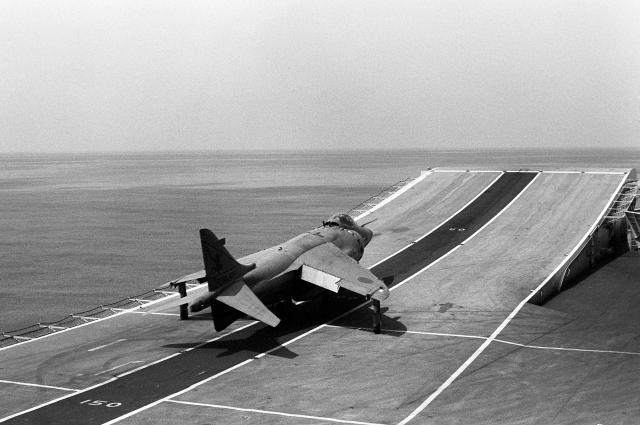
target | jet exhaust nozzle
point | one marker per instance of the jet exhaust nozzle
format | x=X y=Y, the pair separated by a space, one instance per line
x=202 y=303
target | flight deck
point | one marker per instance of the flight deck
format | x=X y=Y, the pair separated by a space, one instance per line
x=512 y=302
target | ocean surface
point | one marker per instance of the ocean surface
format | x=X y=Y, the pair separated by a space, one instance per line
x=80 y=230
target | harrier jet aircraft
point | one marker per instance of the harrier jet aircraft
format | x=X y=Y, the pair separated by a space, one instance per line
x=325 y=258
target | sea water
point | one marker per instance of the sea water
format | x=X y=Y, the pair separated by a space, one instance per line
x=80 y=230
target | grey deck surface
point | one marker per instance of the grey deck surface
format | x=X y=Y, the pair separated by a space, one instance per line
x=434 y=322
x=582 y=363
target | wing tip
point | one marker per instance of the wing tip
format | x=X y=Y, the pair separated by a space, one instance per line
x=381 y=294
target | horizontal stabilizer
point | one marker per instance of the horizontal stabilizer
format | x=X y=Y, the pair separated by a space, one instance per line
x=239 y=296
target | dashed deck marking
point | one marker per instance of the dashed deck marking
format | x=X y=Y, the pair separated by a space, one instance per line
x=28 y=384
x=106 y=345
x=271 y=412
x=119 y=366
x=147 y=388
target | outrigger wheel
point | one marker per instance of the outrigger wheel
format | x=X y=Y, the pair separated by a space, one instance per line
x=377 y=317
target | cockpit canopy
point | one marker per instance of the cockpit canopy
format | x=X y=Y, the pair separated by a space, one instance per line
x=342 y=220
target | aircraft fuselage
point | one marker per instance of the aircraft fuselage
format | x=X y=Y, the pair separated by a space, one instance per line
x=273 y=280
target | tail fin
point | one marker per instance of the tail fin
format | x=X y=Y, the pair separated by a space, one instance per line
x=227 y=290
x=221 y=268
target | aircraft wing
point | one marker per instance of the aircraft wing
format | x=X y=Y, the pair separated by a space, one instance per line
x=327 y=266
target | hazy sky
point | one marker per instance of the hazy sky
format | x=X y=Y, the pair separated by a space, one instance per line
x=148 y=75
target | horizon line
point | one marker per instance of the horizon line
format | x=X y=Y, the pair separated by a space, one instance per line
x=324 y=150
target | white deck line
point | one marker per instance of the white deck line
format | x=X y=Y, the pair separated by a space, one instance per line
x=106 y=345
x=436 y=170
x=501 y=211
x=271 y=412
x=583 y=172
x=155 y=403
x=501 y=327
x=46 y=403
x=153 y=313
x=502 y=341
x=27 y=384
x=580 y=350
x=359 y=328
x=118 y=366
x=404 y=189
x=427 y=267
x=500 y=173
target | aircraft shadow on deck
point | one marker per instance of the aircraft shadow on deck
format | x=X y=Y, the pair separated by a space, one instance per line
x=297 y=320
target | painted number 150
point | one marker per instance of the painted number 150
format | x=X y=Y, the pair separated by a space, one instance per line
x=100 y=403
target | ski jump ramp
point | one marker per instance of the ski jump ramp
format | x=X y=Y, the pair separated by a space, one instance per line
x=468 y=334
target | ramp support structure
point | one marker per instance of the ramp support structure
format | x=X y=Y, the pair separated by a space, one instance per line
x=613 y=236
x=633 y=218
